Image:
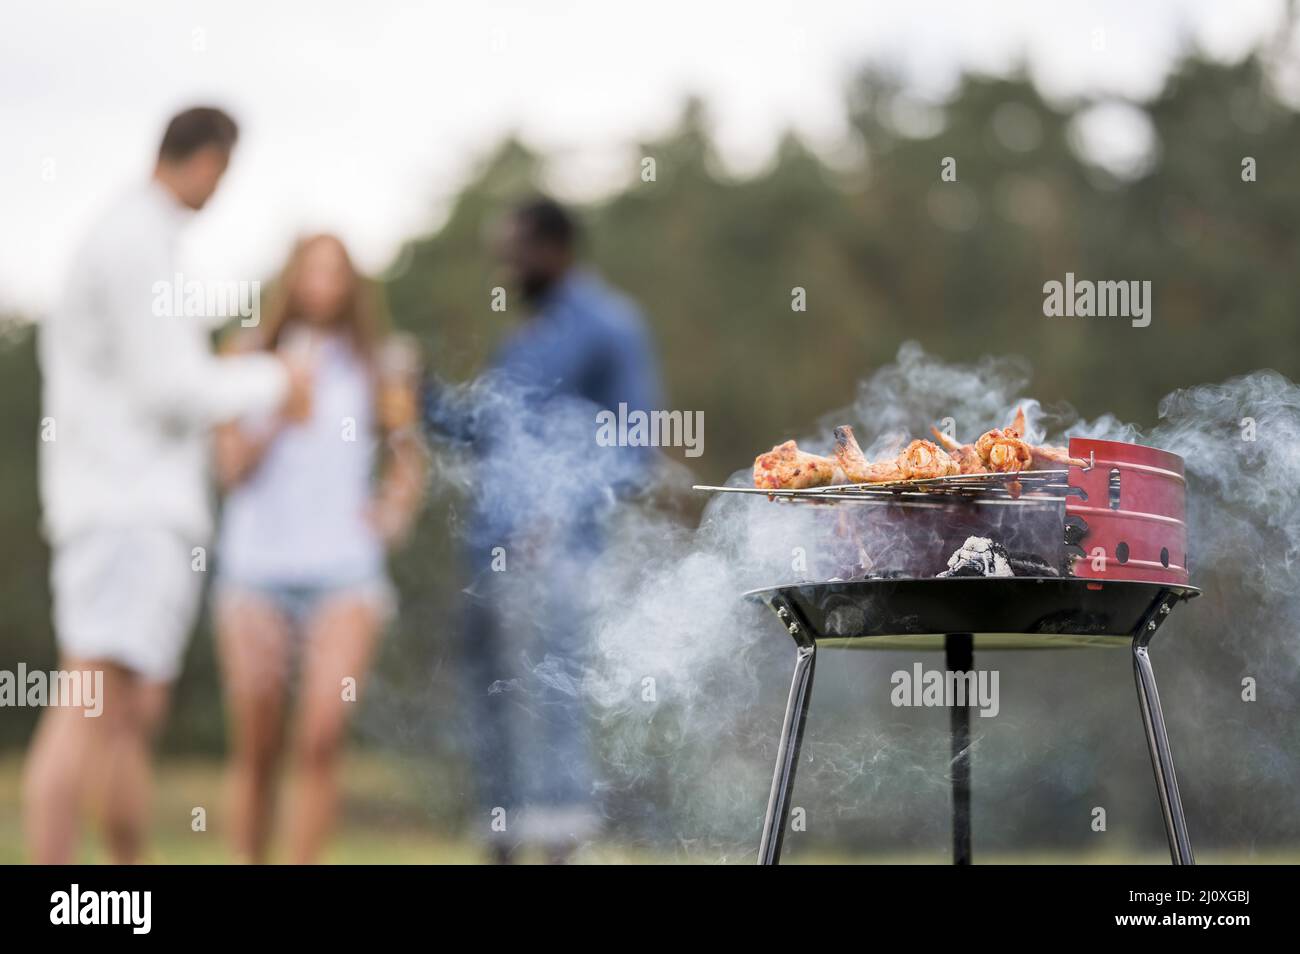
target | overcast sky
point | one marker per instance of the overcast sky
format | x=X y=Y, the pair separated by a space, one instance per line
x=365 y=116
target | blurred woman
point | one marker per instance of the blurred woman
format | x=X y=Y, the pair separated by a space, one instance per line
x=312 y=507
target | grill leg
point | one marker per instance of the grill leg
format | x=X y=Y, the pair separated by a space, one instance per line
x=787 y=756
x=1162 y=760
x=959 y=656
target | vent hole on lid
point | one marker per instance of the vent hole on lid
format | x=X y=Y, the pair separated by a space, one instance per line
x=1121 y=552
x=1164 y=557
x=1114 y=488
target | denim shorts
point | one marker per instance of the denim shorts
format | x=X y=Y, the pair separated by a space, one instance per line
x=299 y=602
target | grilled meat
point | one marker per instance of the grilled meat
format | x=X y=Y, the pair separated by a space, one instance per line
x=855 y=464
x=967 y=457
x=1048 y=457
x=1007 y=450
x=922 y=459
x=1001 y=450
x=1004 y=449
x=785 y=466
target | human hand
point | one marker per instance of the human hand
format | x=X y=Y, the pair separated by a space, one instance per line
x=390 y=519
x=297 y=404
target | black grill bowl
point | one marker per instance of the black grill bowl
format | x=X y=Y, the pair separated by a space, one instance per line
x=1002 y=612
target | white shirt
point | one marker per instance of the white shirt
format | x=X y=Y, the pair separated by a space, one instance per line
x=130 y=396
x=301 y=515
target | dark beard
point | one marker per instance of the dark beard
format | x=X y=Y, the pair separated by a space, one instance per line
x=535 y=287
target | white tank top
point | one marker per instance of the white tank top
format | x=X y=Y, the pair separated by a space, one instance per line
x=300 y=516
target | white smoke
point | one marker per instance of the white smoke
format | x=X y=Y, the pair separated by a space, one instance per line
x=686 y=680
x=691 y=760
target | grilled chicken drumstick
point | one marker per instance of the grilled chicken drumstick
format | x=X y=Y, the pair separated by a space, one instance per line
x=1008 y=447
x=785 y=466
x=855 y=465
x=1004 y=449
x=1046 y=457
x=1001 y=450
x=923 y=459
x=967 y=457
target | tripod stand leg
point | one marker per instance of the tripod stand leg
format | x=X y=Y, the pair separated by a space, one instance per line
x=1162 y=759
x=787 y=756
x=959 y=656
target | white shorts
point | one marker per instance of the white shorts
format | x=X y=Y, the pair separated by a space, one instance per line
x=127 y=596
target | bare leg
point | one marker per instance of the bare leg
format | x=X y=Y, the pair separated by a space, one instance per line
x=126 y=766
x=253 y=645
x=56 y=775
x=105 y=760
x=341 y=640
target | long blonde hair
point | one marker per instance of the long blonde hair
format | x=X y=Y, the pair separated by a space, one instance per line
x=359 y=314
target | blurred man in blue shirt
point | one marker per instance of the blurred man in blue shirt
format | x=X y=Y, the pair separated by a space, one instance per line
x=543 y=488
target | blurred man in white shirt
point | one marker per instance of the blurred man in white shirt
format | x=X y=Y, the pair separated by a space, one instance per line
x=130 y=397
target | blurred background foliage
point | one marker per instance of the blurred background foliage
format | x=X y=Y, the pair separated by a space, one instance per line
x=886 y=252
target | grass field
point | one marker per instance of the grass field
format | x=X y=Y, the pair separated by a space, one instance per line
x=383 y=822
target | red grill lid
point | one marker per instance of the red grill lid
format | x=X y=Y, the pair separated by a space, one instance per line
x=1133 y=509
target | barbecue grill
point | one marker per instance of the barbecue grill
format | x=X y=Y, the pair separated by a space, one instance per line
x=1113 y=543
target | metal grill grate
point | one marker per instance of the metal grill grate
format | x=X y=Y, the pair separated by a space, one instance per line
x=1027 y=487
